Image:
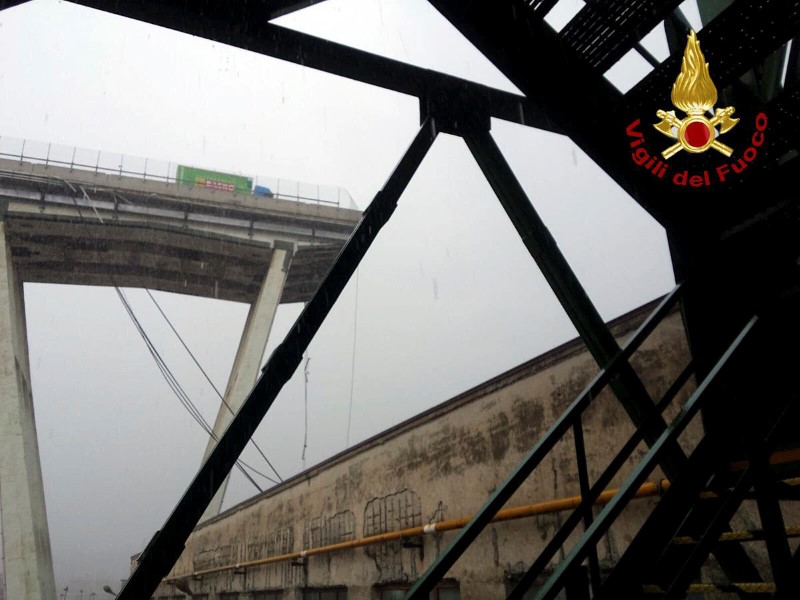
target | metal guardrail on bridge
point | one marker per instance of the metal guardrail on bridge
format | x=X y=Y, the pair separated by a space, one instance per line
x=123 y=165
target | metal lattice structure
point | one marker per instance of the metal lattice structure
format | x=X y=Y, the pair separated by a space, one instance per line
x=734 y=244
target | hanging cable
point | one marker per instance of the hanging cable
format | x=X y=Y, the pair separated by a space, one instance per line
x=178 y=390
x=352 y=365
x=162 y=366
x=306 y=373
x=202 y=370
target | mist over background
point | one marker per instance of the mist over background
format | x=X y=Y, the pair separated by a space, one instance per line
x=446 y=298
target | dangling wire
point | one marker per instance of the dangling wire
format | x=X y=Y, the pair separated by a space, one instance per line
x=352 y=365
x=306 y=373
x=208 y=379
x=178 y=390
x=160 y=363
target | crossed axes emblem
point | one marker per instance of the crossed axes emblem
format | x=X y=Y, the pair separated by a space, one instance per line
x=670 y=122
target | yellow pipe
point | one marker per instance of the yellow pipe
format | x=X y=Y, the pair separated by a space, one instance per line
x=746 y=535
x=519 y=512
x=781 y=457
x=528 y=510
x=719 y=588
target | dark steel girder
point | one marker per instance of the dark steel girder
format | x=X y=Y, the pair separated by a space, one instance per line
x=542 y=7
x=771 y=515
x=242 y=11
x=529 y=52
x=600 y=484
x=279 y=8
x=792 y=590
x=758 y=390
x=650 y=561
x=509 y=36
x=540 y=450
x=4 y=4
x=234 y=24
x=604 y=30
x=594 y=114
x=732 y=43
x=692 y=479
x=167 y=544
x=541 y=245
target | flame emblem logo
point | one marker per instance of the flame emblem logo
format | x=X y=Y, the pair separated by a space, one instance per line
x=694 y=93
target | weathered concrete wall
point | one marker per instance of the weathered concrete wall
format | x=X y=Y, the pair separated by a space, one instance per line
x=439 y=465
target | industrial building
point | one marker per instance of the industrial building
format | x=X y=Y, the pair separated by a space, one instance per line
x=364 y=524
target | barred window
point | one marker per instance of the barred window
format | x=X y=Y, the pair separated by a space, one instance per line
x=446 y=590
x=338 y=593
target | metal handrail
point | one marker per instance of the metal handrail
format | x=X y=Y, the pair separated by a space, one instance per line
x=645 y=466
x=547 y=442
x=167 y=173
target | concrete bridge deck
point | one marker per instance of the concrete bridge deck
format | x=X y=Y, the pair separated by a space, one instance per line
x=79 y=227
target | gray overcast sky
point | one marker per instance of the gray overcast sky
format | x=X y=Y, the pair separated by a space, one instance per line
x=447 y=297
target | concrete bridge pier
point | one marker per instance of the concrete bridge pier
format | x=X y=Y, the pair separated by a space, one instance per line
x=247 y=364
x=26 y=539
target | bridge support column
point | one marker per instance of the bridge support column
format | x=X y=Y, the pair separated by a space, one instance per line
x=26 y=539
x=247 y=364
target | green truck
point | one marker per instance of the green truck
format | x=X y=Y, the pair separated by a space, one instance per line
x=214 y=180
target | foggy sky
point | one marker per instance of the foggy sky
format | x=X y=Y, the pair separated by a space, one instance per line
x=447 y=296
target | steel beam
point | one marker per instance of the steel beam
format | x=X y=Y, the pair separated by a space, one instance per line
x=744 y=19
x=4 y=4
x=260 y=9
x=718 y=523
x=529 y=52
x=645 y=558
x=710 y=385
x=792 y=589
x=769 y=510
x=167 y=544
x=223 y=22
x=589 y=498
x=585 y=487
x=280 y=8
x=534 y=457
x=588 y=108
x=247 y=364
x=541 y=245
x=604 y=30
